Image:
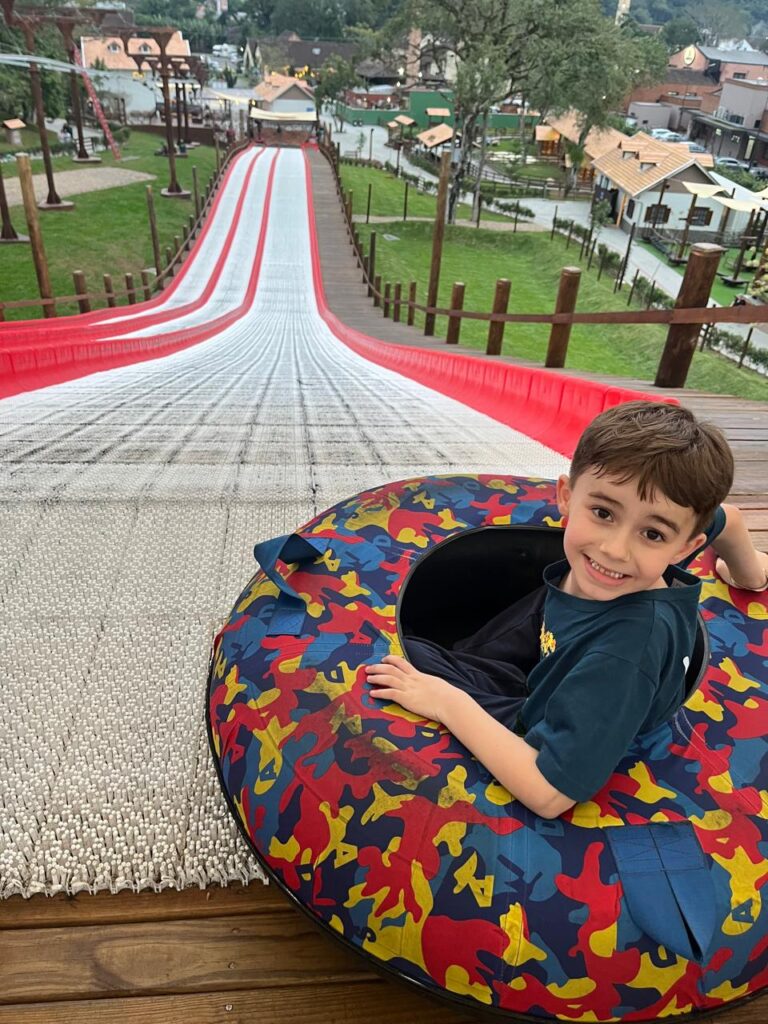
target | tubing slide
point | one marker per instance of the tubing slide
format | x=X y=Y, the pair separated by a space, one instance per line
x=644 y=903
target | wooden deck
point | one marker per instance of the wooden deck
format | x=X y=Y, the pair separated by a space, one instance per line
x=243 y=954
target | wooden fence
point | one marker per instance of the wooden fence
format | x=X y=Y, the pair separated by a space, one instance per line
x=684 y=320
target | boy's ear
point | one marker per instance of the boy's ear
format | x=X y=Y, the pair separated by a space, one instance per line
x=695 y=542
x=563 y=493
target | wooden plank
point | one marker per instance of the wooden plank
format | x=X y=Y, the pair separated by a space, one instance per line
x=375 y=1002
x=170 y=957
x=125 y=907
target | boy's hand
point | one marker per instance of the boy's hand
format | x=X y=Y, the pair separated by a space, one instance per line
x=396 y=679
x=757 y=582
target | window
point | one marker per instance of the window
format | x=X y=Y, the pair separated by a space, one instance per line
x=700 y=217
x=657 y=214
x=145 y=48
x=631 y=209
x=114 y=48
x=740 y=76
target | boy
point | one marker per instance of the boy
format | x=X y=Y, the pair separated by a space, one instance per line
x=619 y=614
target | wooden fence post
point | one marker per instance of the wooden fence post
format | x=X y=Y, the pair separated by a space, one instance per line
x=377 y=290
x=176 y=245
x=109 y=290
x=397 y=302
x=560 y=334
x=146 y=285
x=387 y=293
x=371 y=263
x=554 y=226
x=496 y=327
x=745 y=347
x=405 y=202
x=130 y=289
x=437 y=242
x=169 y=258
x=680 y=345
x=35 y=235
x=454 y=322
x=153 y=230
x=81 y=290
x=368 y=204
x=196 y=192
x=411 y=300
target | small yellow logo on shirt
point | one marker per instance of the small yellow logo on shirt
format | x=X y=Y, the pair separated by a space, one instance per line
x=547 y=642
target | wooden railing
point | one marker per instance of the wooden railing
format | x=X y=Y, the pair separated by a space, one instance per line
x=153 y=279
x=684 y=320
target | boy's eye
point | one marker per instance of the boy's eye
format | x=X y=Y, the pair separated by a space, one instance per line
x=655 y=536
x=601 y=513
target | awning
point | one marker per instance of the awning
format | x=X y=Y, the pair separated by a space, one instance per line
x=284 y=117
x=438 y=112
x=741 y=205
x=697 y=188
x=436 y=136
x=545 y=133
x=404 y=120
x=392 y=124
x=13 y=124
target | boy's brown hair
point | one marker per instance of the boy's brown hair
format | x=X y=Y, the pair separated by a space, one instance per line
x=664 y=448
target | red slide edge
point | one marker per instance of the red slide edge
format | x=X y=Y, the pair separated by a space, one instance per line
x=552 y=408
x=31 y=368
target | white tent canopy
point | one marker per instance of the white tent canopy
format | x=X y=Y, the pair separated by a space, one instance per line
x=285 y=117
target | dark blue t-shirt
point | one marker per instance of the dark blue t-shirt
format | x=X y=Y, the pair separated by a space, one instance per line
x=609 y=671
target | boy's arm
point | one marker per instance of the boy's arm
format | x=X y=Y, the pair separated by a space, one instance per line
x=740 y=564
x=507 y=756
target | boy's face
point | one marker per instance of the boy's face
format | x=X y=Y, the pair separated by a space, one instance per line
x=617 y=544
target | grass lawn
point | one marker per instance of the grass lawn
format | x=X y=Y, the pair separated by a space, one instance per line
x=30 y=139
x=106 y=232
x=387 y=195
x=720 y=292
x=533 y=262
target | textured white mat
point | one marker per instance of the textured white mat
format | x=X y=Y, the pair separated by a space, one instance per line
x=130 y=502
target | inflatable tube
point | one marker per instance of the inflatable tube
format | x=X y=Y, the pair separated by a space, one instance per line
x=643 y=903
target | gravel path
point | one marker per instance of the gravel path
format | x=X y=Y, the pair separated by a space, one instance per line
x=72 y=183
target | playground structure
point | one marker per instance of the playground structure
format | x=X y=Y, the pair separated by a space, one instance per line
x=178 y=464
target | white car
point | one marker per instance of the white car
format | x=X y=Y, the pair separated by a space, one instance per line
x=730 y=163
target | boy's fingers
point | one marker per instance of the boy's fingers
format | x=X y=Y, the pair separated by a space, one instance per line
x=398 y=662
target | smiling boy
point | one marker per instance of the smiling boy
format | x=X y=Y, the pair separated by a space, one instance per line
x=614 y=623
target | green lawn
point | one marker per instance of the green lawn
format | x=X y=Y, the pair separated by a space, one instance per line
x=106 y=232
x=30 y=139
x=533 y=262
x=388 y=194
x=720 y=292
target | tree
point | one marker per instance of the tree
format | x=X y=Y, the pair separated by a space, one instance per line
x=680 y=32
x=333 y=79
x=718 y=20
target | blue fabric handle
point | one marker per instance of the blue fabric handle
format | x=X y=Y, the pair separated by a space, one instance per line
x=290 y=610
x=668 y=888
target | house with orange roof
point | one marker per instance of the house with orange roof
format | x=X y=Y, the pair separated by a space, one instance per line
x=108 y=52
x=646 y=181
x=282 y=94
x=555 y=133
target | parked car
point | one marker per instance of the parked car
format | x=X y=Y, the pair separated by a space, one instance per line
x=731 y=163
x=663 y=134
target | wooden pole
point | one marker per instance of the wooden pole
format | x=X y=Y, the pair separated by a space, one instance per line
x=632 y=289
x=560 y=334
x=196 y=192
x=496 y=327
x=397 y=301
x=377 y=290
x=35 y=235
x=694 y=293
x=368 y=204
x=387 y=293
x=109 y=291
x=411 y=301
x=454 y=322
x=153 y=230
x=745 y=348
x=405 y=202
x=7 y=231
x=146 y=285
x=438 y=234
x=625 y=261
x=686 y=229
x=371 y=264
x=130 y=289
x=81 y=290
x=554 y=226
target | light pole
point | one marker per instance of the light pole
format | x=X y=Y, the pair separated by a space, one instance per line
x=370 y=147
